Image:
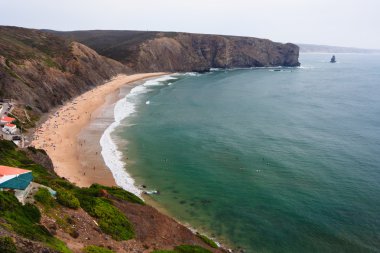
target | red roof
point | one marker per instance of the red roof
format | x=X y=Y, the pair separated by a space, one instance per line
x=7 y=119
x=10 y=125
x=5 y=170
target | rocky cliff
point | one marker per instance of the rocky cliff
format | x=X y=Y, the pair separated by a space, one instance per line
x=163 y=51
x=42 y=70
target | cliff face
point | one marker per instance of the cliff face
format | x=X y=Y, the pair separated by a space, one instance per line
x=186 y=52
x=43 y=70
x=160 y=51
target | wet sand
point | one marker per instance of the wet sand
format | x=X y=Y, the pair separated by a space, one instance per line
x=71 y=135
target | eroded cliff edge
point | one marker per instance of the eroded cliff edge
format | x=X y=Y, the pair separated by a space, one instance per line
x=42 y=70
x=182 y=52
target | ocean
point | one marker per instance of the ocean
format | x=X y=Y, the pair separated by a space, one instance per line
x=261 y=159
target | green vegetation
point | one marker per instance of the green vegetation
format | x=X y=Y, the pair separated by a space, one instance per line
x=18 y=44
x=35 y=150
x=7 y=245
x=96 y=200
x=110 y=219
x=116 y=192
x=51 y=63
x=67 y=199
x=191 y=249
x=96 y=249
x=11 y=156
x=12 y=73
x=24 y=221
x=208 y=241
x=185 y=249
x=44 y=197
x=33 y=212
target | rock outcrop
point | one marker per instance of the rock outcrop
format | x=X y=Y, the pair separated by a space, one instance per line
x=163 y=51
x=42 y=70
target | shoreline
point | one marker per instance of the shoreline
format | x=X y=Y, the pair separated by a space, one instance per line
x=59 y=134
x=88 y=163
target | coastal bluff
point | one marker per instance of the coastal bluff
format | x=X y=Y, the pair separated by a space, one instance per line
x=184 y=52
x=42 y=70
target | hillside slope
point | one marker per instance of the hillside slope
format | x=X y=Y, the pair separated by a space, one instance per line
x=82 y=217
x=43 y=70
x=170 y=51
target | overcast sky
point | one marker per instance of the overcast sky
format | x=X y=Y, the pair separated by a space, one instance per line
x=330 y=22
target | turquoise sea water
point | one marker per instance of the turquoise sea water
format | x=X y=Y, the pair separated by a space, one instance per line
x=269 y=161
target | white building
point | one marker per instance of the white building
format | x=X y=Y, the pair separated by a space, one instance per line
x=10 y=128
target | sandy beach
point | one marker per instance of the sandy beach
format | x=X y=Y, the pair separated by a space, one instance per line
x=74 y=157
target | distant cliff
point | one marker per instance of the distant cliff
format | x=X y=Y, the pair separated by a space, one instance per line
x=164 y=51
x=43 y=70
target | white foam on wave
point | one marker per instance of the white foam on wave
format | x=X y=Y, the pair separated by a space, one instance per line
x=306 y=67
x=189 y=74
x=216 y=69
x=111 y=155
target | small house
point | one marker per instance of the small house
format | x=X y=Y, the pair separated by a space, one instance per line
x=6 y=120
x=17 y=180
x=10 y=128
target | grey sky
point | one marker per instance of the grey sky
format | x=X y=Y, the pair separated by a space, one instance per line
x=340 y=22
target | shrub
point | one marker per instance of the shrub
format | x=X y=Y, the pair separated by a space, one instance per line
x=7 y=245
x=208 y=241
x=32 y=212
x=59 y=183
x=23 y=221
x=111 y=220
x=116 y=192
x=74 y=234
x=67 y=199
x=190 y=249
x=32 y=149
x=96 y=249
x=44 y=197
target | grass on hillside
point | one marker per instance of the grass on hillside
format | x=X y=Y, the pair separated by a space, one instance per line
x=208 y=241
x=7 y=245
x=44 y=197
x=110 y=219
x=24 y=220
x=96 y=249
x=185 y=249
